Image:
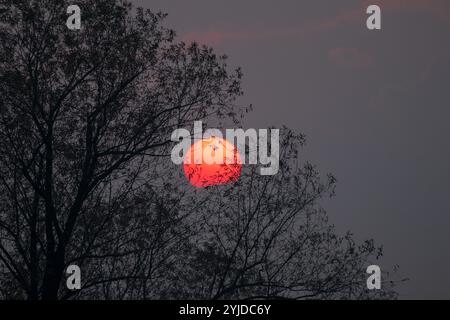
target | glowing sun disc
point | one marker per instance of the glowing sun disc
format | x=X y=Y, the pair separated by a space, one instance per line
x=212 y=161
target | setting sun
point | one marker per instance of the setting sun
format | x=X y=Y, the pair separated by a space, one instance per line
x=212 y=161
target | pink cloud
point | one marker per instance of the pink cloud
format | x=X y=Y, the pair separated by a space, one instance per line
x=308 y=29
x=439 y=9
x=311 y=28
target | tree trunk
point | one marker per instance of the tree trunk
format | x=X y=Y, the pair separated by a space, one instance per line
x=52 y=277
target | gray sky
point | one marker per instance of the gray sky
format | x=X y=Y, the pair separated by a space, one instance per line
x=375 y=106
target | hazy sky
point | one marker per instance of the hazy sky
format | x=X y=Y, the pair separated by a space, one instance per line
x=375 y=106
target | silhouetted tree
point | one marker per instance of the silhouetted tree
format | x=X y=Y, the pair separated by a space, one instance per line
x=268 y=237
x=83 y=113
x=85 y=122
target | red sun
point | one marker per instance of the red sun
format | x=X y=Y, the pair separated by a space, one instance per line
x=212 y=161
